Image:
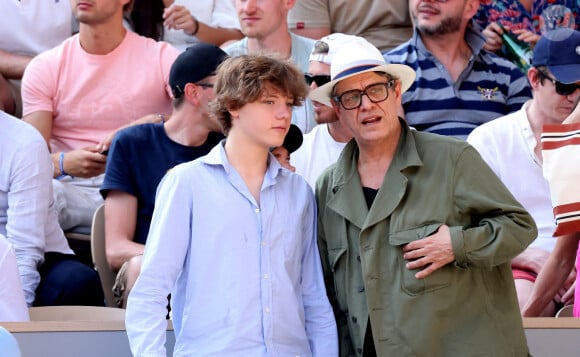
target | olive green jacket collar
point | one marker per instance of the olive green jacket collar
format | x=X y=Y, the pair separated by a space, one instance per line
x=348 y=200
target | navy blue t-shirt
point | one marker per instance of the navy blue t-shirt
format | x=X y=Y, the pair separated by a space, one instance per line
x=138 y=159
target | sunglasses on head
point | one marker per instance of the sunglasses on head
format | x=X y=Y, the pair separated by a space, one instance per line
x=320 y=80
x=561 y=88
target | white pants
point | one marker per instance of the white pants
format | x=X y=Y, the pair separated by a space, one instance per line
x=76 y=200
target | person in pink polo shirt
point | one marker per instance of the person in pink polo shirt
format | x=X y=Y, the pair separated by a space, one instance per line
x=79 y=93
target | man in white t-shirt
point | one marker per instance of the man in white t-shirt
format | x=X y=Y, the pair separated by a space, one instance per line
x=79 y=93
x=265 y=25
x=322 y=145
x=28 y=28
x=511 y=146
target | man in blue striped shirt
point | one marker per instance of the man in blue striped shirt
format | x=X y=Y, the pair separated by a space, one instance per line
x=459 y=85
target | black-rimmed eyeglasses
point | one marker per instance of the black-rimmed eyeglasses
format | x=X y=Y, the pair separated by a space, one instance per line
x=352 y=99
x=561 y=88
x=320 y=80
x=205 y=85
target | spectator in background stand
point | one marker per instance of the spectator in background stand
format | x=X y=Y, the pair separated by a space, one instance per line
x=325 y=142
x=49 y=271
x=131 y=177
x=527 y=19
x=185 y=22
x=459 y=85
x=28 y=28
x=511 y=147
x=385 y=24
x=80 y=92
x=561 y=154
x=265 y=25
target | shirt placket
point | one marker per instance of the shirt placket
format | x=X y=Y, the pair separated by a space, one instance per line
x=265 y=278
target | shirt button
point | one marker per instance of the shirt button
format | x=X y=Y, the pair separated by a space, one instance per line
x=353 y=319
x=257 y=210
x=359 y=350
x=358 y=258
x=266 y=276
x=267 y=310
x=264 y=243
x=361 y=289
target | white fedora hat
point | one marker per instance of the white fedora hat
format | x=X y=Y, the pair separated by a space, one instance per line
x=359 y=56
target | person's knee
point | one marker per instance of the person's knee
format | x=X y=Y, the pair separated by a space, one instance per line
x=59 y=199
x=524 y=289
x=133 y=270
x=70 y=282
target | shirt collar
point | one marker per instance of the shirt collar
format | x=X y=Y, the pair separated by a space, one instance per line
x=406 y=155
x=217 y=156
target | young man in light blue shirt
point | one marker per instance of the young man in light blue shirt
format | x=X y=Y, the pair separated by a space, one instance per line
x=233 y=236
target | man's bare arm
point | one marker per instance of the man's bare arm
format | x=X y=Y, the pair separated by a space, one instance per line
x=553 y=274
x=84 y=162
x=12 y=65
x=120 y=222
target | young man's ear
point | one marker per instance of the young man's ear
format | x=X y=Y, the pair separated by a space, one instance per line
x=289 y=4
x=533 y=77
x=190 y=91
x=234 y=113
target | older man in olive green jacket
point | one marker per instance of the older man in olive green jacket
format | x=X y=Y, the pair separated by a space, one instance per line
x=416 y=233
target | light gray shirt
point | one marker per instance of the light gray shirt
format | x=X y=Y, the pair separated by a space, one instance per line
x=27 y=215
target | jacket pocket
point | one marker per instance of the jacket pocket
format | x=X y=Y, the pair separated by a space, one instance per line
x=411 y=285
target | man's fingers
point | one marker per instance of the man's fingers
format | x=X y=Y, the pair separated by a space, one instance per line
x=418 y=263
x=428 y=270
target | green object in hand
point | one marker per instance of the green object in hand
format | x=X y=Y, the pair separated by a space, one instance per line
x=519 y=52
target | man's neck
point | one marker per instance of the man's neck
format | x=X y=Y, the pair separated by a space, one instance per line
x=101 y=39
x=451 y=50
x=375 y=159
x=249 y=159
x=338 y=132
x=187 y=128
x=537 y=120
x=279 y=42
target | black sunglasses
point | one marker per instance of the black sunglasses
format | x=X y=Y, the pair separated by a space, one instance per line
x=561 y=88
x=320 y=80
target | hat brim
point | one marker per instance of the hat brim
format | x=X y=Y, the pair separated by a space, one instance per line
x=402 y=72
x=566 y=73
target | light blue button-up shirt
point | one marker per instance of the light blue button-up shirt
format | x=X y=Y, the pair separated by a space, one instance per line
x=245 y=279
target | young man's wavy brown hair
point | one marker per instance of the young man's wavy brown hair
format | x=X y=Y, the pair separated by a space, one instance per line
x=244 y=79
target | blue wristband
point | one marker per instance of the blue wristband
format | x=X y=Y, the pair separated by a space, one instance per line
x=61 y=166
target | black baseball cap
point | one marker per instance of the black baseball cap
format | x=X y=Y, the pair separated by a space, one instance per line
x=194 y=64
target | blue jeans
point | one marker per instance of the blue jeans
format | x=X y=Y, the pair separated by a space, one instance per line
x=64 y=280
